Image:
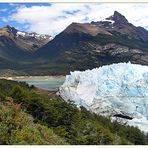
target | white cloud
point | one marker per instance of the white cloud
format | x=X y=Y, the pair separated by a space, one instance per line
x=53 y=19
x=4 y=19
x=3 y=10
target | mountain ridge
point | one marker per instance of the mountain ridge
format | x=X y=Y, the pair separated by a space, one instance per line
x=17 y=46
x=24 y=37
x=82 y=46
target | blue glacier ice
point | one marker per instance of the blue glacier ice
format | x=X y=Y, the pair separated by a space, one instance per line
x=110 y=90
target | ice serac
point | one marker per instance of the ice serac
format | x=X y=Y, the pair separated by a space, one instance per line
x=118 y=90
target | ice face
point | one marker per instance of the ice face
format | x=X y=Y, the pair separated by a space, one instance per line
x=109 y=90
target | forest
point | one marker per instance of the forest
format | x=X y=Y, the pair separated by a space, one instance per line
x=32 y=116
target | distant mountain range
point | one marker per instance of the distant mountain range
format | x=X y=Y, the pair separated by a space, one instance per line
x=80 y=46
x=15 y=43
x=16 y=46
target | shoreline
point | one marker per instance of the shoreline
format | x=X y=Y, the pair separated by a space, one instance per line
x=29 y=77
x=50 y=83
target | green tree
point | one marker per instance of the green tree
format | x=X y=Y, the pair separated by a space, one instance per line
x=17 y=127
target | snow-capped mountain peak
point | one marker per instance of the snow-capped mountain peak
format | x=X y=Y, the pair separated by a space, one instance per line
x=23 y=40
x=116 y=19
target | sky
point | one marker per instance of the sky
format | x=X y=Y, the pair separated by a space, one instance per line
x=52 y=18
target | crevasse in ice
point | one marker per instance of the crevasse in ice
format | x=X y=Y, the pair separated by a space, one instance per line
x=111 y=90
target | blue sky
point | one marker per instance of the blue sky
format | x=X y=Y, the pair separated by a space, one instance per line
x=47 y=18
x=6 y=9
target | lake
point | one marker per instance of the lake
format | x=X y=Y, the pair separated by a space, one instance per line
x=45 y=82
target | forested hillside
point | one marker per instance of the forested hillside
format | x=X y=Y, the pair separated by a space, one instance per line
x=32 y=116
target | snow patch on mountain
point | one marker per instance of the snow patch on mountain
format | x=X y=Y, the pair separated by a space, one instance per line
x=21 y=33
x=117 y=90
x=108 y=20
x=35 y=35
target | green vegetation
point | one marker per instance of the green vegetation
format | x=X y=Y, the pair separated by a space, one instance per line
x=33 y=117
x=17 y=127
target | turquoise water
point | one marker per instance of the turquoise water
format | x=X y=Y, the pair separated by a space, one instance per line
x=45 y=82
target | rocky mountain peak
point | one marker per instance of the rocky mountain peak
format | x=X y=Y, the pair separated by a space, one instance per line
x=114 y=20
x=118 y=18
x=11 y=29
x=22 y=40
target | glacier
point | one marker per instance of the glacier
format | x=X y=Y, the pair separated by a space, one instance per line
x=118 y=91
